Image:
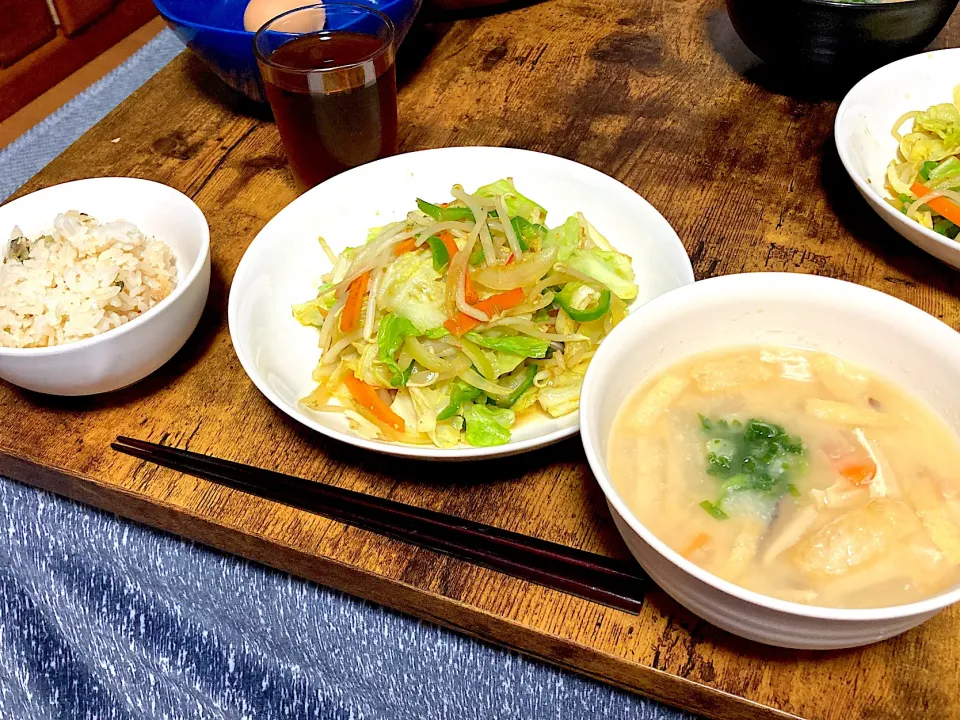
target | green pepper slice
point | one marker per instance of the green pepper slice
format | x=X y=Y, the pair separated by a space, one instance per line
x=523 y=229
x=528 y=234
x=516 y=223
x=525 y=381
x=439 y=251
x=565 y=300
x=926 y=168
x=444 y=214
x=460 y=394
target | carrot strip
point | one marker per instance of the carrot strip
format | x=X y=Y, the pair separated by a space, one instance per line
x=350 y=317
x=939 y=205
x=698 y=542
x=405 y=246
x=494 y=304
x=858 y=472
x=451 y=244
x=368 y=398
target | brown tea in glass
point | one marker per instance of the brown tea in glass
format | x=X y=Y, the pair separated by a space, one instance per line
x=329 y=75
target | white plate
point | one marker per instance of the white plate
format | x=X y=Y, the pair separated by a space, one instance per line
x=866 y=146
x=283 y=265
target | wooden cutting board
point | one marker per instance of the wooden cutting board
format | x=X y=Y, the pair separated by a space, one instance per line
x=660 y=95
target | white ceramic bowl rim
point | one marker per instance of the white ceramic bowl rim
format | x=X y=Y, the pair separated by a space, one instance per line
x=843 y=152
x=160 y=307
x=883 y=302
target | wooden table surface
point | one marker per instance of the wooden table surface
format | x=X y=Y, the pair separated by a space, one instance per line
x=659 y=94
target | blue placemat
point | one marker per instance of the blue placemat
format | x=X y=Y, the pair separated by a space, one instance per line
x=103 y=619
x=26 y=155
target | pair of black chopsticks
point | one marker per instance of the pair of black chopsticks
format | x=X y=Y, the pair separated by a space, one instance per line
x=586 y=575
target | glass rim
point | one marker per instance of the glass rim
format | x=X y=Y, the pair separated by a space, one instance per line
x=388 y=43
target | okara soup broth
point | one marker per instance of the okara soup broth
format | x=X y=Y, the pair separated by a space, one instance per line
x=796 y=475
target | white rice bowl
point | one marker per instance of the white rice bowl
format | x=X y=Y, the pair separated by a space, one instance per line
x=79 y=279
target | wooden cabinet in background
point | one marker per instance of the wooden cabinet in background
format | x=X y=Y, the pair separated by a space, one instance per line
x=77 y=14
x=39 y=49
x=24 y=26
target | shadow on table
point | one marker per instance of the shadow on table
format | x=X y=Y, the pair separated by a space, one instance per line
x=872 y=233
x=777 y=80
x=416 y=48
x=210 y=85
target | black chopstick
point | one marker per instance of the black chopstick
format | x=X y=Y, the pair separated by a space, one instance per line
x=587 y=575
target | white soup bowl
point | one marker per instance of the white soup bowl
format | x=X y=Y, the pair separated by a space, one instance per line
x=890 y=337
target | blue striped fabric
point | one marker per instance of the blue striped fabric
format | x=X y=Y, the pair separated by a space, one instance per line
x=102 y=619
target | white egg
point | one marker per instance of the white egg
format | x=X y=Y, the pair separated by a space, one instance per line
x=260 y=12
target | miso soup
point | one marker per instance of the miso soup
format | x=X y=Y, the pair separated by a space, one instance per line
x=794 y=474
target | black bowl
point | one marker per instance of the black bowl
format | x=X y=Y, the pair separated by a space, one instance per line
x=840 y=36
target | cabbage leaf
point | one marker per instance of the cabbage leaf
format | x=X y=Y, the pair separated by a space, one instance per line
x=393 y=329
x=607 y=267
x=460 y=392
x=428 y=402
x=312 y=312
x=561 y=395
x=514 y=344
x=412 y=289
x=943 y=121
x=592 y=235
x=447 y=433
x=371 y=370
x=487 y=425
x=516 y=204
x=566 y=238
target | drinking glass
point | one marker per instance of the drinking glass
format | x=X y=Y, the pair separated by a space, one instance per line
x=329 y=75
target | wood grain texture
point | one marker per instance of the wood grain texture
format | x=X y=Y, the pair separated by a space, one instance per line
x=662 y=96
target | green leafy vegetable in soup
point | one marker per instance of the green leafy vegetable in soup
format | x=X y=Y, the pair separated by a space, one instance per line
x=755 y=457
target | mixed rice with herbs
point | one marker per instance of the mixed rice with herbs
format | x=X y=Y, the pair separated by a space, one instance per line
x=78 y=279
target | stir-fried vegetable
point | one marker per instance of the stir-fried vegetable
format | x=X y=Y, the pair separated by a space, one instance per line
x=924 y=178
x=439 y=212
x=493 y=305
x=446 y=326
x=461 y=393
x=351 y=309
x=756 y=459
x=393 y=329
x=940 y=205
x=441 y=255
x=583 y=303
x=368 y=399
x=487 y=425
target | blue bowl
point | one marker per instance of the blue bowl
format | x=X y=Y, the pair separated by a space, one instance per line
x=213 y=29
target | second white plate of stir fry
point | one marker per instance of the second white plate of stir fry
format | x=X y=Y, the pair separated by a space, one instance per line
x=445 y=304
